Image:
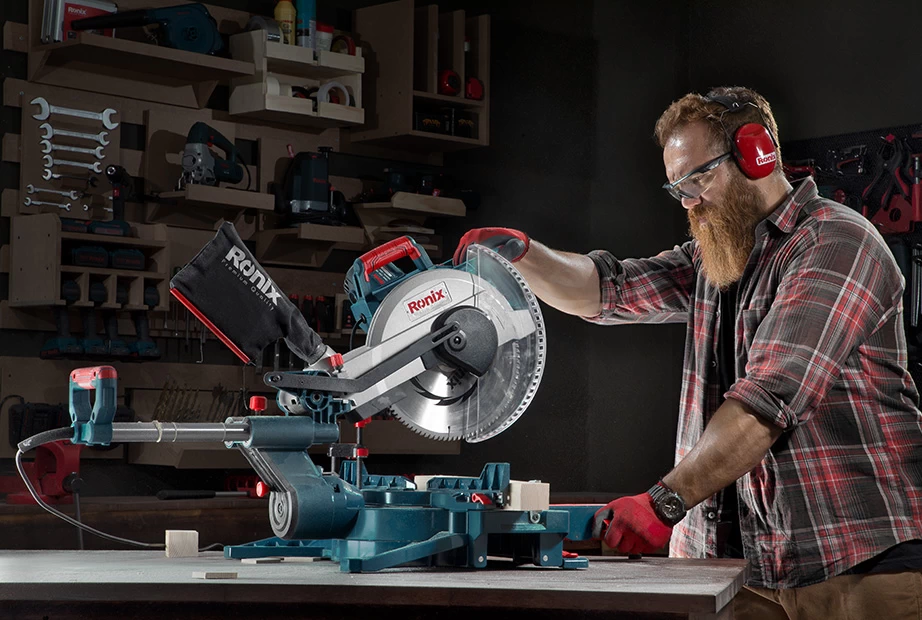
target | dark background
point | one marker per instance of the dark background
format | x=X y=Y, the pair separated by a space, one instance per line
x=577 y=88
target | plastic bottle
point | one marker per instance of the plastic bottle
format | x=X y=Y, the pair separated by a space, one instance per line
x=285 y=16
x=306 y=22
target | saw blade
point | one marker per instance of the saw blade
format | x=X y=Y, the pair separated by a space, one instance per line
x=447 y=403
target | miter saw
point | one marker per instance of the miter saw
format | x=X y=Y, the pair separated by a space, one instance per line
x=453 y=352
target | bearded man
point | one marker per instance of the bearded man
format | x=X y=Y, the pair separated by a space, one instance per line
x=799 y=441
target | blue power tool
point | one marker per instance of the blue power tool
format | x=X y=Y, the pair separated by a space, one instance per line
x=452 y=352
x=188 y=27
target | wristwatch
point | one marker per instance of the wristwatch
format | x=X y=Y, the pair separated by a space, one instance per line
x=669 y=505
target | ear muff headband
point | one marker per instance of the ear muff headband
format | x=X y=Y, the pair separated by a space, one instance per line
x=752 y=145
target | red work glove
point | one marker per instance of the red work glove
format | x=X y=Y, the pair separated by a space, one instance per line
x=633 y=526
x=509 y=243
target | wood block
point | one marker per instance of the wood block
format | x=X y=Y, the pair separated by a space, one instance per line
x=260 y=560
x=210 y=574
x=302 y=559
x=528 y=495
x=181 y=543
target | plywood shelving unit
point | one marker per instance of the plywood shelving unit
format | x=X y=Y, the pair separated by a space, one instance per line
x=411 y=46
x=266 y=95
x=136 y=69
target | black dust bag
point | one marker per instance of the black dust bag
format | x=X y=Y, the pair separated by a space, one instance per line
x=226 y=289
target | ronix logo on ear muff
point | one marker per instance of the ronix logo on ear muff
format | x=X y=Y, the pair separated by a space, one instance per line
x=246 y=271
x=761 y=160
x=425 y=302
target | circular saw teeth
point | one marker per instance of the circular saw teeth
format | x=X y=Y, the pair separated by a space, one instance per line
x=495 y=422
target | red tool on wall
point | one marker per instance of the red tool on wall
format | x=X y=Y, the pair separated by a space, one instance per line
x=889 y=201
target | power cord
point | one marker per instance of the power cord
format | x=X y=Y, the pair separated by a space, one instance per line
x=355 y=326
x=59 y=434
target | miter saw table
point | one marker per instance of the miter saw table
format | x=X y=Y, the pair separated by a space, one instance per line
x=454 y=352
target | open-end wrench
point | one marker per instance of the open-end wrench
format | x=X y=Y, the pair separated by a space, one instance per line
x=89 y=179
x=50 y=132
x=73 y=194
x=48 y=147
x=38 y=203
x=50 y=161
x=46 y=110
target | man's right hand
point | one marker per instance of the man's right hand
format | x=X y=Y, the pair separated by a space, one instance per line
x=509 y=243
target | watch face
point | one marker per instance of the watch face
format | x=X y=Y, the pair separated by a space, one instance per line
x=672 y=508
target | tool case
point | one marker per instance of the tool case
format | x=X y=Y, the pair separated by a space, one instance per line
x=58 y=15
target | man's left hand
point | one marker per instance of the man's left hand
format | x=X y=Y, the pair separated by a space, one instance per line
x=632 y=525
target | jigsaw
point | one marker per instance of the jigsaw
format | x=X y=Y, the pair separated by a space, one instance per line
x=453 y=352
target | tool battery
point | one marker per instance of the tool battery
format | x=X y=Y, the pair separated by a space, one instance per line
x=90 y=256
x=127 y=259
x=69 y=224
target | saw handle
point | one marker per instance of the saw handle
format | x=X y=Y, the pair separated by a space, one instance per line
x=402 y=247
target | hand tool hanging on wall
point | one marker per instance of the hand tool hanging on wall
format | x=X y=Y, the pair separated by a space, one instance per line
x=63 y=344
x=144 y=347
x=93 y=345
x=187 y=27
x=887 y=197
x=200 y=166
x=46 y=110
x=49 y=132
x=116 y=347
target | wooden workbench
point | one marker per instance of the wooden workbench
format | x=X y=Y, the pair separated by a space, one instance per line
x=144 y=584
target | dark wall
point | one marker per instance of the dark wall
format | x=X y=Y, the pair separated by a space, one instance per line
x=827 y=67
x=572 y=162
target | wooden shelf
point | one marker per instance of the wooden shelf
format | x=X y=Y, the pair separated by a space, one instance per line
x=114 y=61
x=37 y=245
x=294 y=111
x=209 y=196
x=293 y=60
x=456 y=101
x=205 y=206
x=132 y=242
x=99 y=271
x=412 y=45
x=432 y=205
x=279 y=67
x=307 y=245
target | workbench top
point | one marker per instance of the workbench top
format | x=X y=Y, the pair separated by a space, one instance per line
x=689 y=588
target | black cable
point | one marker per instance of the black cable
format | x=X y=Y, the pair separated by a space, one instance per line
x=355 y=326
x=59 y=434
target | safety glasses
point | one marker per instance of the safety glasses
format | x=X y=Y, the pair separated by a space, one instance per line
x=695 y=182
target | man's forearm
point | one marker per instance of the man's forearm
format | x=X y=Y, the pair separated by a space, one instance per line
x=735 y=440
x=566 y=281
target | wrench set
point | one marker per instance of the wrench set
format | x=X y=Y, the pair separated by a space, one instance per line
x=62 y=161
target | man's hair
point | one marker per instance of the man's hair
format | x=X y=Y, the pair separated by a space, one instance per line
x=694 y=107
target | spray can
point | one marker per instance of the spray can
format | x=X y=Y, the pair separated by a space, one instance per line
x=306 y=23
x=285 y=16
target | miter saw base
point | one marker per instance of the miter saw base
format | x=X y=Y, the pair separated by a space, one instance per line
x=456 y=521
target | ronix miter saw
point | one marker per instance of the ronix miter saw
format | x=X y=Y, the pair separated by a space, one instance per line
x=455 y=352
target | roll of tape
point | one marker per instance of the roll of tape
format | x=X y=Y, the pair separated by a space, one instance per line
x=323 y=93
x=343 y=44
x=273 y=32
x=273 y=86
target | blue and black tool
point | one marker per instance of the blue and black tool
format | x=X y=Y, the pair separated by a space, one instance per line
x=187 y=27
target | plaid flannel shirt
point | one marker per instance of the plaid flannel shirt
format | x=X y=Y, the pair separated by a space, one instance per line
x=820 y=352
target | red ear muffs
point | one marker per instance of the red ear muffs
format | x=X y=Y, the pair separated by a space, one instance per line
x=754 y=150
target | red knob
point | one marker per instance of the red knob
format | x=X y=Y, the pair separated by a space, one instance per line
x=262 y=489
x=258 y=403
x=336 y=360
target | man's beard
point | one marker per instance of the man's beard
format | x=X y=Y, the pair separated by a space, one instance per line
x=728 y=236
